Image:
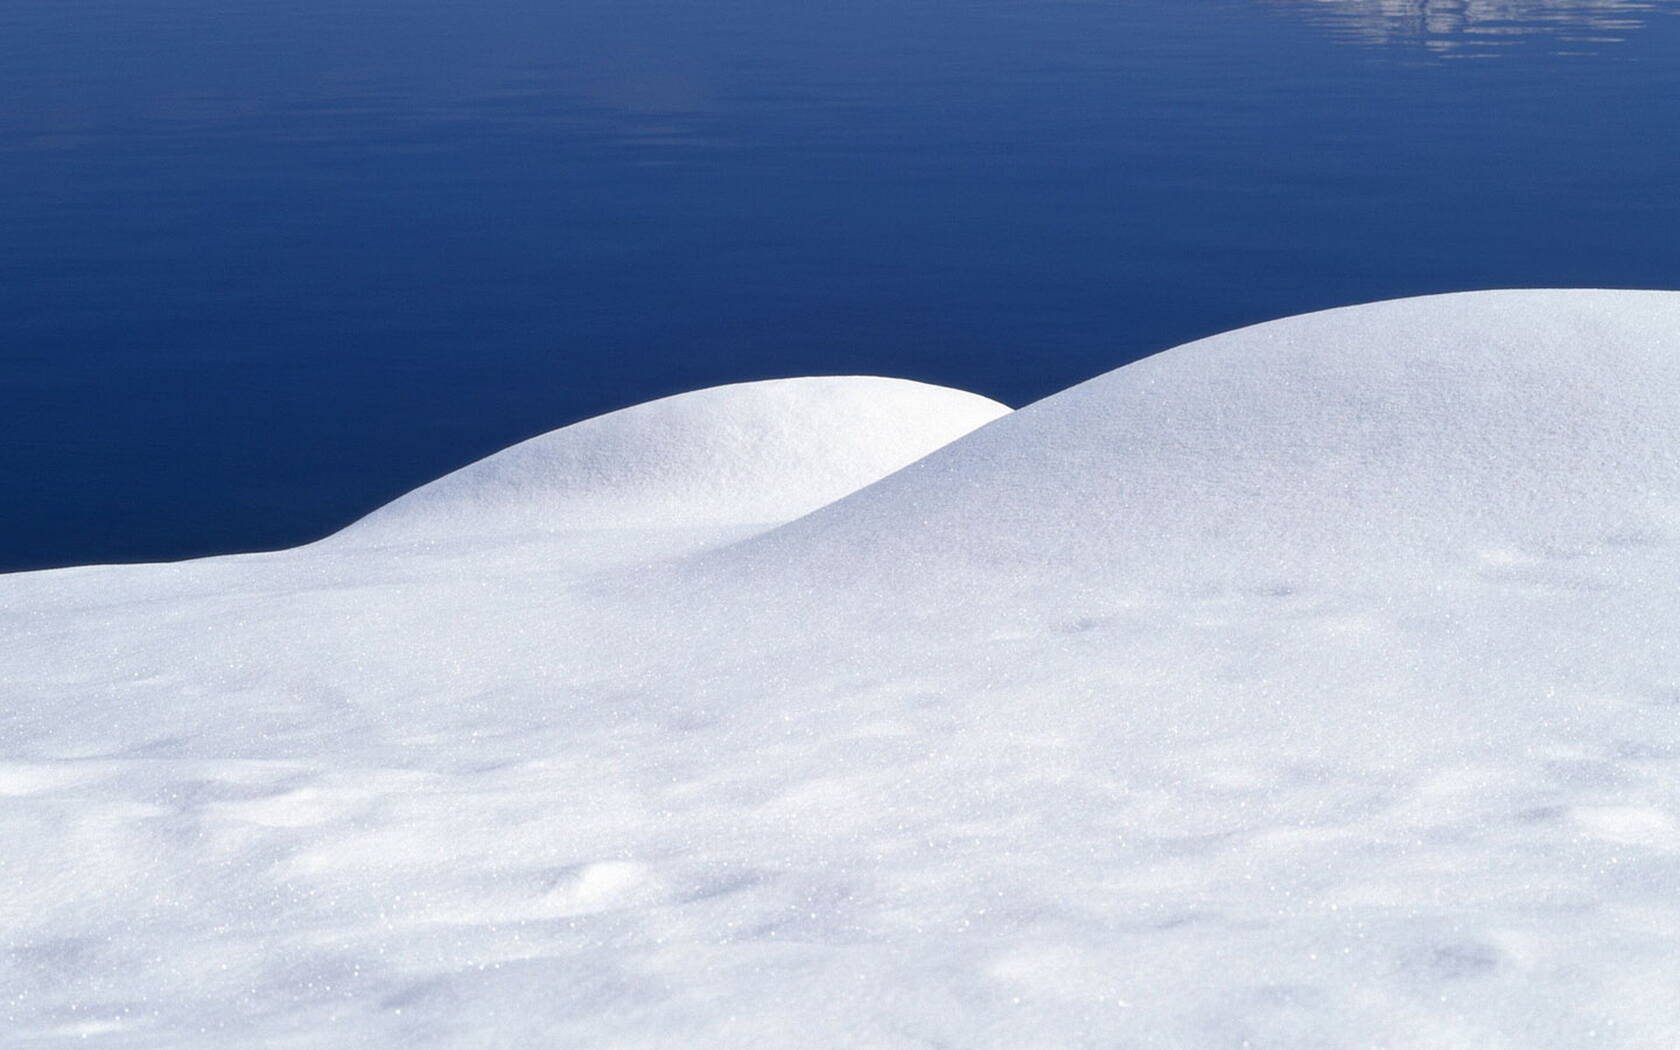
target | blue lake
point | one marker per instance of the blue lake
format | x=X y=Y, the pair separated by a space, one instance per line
x=265 y=266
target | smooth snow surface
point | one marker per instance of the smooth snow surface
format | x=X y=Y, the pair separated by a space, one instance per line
x=1449 y=428
x=1309 y=686
x=743 y=454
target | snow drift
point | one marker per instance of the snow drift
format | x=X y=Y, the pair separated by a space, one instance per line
x=1460 y=426
x=1311 y=685
x=743 y=454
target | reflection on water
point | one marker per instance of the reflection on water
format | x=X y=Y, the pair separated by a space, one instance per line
x=1480 y=28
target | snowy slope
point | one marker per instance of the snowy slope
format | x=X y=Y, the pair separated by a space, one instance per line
x=749 y=453
x=1454 y=427
x=1312 y=685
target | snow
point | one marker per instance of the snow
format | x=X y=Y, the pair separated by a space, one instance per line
x=1447 y=428
x=742 y=454
x=1311 y=685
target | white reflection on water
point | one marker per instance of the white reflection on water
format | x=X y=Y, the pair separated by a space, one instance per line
x=1479 y=28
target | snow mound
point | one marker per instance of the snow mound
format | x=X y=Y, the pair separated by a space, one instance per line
x=934 y=765
x=746 y=453
x=1466 y=425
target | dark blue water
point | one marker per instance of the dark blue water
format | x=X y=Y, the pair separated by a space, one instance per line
x=267 y=265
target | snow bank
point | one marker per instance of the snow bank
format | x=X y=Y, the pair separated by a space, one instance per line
x=1490 y=424
x=743 y=454
x=1309 y=686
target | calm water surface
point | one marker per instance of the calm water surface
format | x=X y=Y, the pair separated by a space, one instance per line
x=267 y=265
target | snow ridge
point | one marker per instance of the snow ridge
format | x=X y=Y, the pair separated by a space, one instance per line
x=742 y=454
x=1310 y=685
x=1441 y=427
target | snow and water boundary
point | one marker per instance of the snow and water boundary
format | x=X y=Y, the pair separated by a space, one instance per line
x=1311 y=685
